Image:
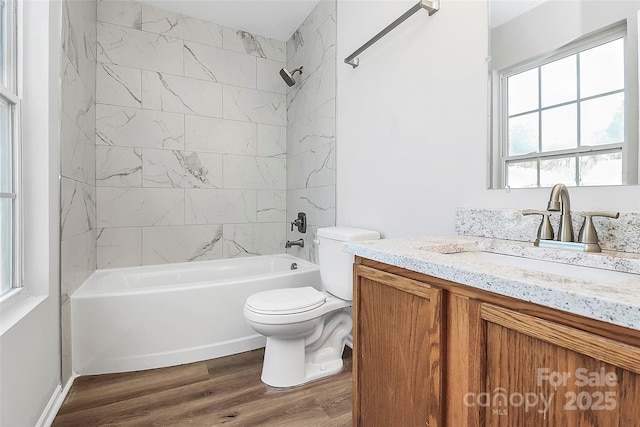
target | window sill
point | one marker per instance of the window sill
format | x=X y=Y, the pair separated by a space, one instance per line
x=15 y=306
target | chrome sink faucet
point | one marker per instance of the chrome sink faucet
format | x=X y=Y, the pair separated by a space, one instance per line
x=559 y=201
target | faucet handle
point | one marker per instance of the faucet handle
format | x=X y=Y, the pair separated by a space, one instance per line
x=588 y=232
x=607 y=214
x=535 y=212
x=545 y=230
x=300 y=222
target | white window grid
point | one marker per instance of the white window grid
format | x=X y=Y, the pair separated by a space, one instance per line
x=606 y=36
x=11 y=96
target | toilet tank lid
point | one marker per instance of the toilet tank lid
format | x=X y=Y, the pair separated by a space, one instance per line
x=347 y=234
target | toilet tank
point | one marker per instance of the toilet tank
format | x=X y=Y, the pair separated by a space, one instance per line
x=336 y=266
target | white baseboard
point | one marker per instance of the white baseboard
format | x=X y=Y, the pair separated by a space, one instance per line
x=52 y=408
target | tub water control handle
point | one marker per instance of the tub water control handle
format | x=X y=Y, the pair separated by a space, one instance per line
x=300 y=222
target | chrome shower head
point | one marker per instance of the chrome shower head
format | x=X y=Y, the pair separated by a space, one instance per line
x=288 y=76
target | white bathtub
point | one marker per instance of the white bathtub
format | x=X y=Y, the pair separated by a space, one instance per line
x=153 y=316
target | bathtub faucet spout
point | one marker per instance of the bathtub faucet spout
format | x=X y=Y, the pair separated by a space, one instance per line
x=299 y=242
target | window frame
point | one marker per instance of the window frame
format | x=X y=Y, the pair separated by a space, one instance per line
x=498 y=129
x=10 y=91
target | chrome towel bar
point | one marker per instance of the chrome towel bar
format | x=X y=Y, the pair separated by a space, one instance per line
x=432 y=7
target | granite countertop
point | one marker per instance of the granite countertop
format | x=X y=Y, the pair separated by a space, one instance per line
x=617 y=302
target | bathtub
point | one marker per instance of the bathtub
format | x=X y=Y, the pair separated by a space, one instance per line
x=147 y=317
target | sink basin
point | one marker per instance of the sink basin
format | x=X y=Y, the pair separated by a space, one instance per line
x=569 y=271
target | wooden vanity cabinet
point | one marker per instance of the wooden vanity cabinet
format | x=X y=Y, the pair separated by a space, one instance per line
x=398 y=334
x=436 y=353
x=542 y=373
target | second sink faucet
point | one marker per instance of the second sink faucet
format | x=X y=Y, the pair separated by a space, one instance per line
x=559 y=201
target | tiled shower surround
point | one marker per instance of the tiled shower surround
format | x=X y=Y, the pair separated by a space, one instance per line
x=200 y=151
x=191 y=139
x=311 y=117
x=77 y=158
x=180 y=141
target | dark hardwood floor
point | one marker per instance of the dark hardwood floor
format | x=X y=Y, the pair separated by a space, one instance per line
x=225 y=391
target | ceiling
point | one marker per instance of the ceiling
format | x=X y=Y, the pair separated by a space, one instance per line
x=501 y=11
x=276 y=19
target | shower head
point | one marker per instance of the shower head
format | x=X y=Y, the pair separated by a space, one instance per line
x=288 y=76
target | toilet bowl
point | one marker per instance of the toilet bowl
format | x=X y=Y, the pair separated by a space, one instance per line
x=306 y=328
x=306 y=334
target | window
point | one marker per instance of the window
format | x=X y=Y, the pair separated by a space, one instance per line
x=9 y=150
x=563 y=120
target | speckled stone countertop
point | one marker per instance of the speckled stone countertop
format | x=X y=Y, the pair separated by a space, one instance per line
x=614 y=301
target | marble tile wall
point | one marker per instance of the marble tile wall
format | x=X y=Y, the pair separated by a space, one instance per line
x=191 y=141
x=78 y=157
x=311 y=116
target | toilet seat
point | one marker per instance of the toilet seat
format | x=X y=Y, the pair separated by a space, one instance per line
x=285 y=301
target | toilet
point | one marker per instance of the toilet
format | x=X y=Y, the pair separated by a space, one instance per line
x=307 y=329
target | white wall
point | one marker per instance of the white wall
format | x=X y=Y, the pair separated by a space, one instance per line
x=30 y=347
x=571 y=20
x=412 y=128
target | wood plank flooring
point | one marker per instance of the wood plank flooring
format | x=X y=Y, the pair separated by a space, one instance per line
x=225 y=391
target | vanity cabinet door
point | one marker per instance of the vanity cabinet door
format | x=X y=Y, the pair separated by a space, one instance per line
x=534 y=372
x=398 y=356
